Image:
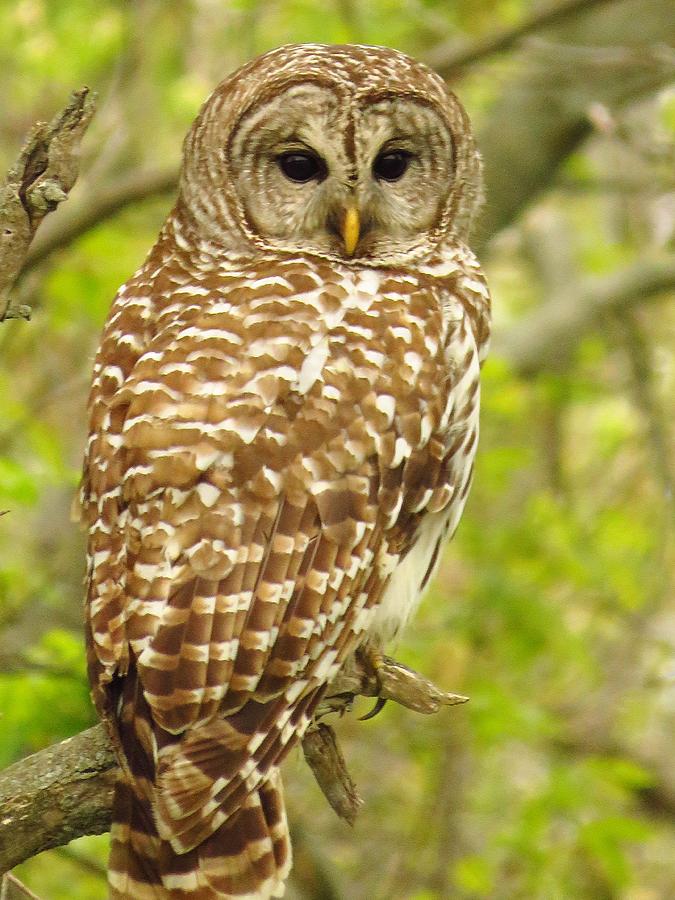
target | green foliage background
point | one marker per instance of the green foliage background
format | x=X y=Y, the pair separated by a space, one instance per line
x=554 y=606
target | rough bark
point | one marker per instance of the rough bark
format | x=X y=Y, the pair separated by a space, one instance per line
x=65 y=791
x=56 y=795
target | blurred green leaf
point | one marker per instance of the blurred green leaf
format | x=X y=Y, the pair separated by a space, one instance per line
x=16 y=484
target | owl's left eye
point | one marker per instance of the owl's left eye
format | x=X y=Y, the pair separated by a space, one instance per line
x=301 y=167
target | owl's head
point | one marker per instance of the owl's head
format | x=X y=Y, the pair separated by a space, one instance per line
x=348 y=152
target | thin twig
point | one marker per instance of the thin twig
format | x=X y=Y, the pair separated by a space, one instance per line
x=12 y=889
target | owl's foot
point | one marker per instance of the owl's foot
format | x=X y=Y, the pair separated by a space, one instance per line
x=371 y=674
x=379 y=706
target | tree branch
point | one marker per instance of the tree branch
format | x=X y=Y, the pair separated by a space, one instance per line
x=12 y=889
x=541 y=115
x=448 y=59
x=324 y=757
x=66 y=791
x=40 y=179
x=56 y=795
x=98 y=203
x=539 y=118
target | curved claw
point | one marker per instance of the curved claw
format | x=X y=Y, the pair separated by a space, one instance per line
x=379 y=705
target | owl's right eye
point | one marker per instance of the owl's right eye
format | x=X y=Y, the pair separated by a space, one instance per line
x=300 y=167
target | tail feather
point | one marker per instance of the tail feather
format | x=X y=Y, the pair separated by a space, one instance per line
x=246 y=858
x=134 y=848
x=241 y=850
x=250 y=856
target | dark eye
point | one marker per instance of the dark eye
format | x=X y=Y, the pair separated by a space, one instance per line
x=301 y=167
x=391 y=164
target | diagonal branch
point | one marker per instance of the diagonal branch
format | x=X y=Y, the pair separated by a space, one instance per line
x=65 y=791
x=612 y=54
x=12 y=889
x=100 y=202
x=449 y=60
x=538 y=119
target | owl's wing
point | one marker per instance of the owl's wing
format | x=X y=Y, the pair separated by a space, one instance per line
x=255 y=634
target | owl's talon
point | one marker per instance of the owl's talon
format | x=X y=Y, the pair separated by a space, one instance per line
x=379 y=706
x=373 y=661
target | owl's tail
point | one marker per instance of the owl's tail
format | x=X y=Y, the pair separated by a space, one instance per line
x=233 y=846
x=246 y=858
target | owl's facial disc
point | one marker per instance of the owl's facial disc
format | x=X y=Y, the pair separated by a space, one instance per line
x=318 y=170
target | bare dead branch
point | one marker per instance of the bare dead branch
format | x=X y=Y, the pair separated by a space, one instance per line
x=40 y=179
x=548 y=336
x=393 y=681
x=65 y=791
x=325 y=759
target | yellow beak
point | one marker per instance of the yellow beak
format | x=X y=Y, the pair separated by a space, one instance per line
x=350 y=230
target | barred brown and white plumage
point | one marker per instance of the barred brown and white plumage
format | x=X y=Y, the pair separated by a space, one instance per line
x=284 y=415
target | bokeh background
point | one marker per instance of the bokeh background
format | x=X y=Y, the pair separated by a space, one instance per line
x=554 y=606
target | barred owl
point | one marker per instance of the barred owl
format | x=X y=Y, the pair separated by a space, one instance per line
x=283 y=421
